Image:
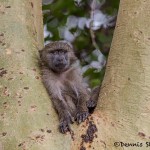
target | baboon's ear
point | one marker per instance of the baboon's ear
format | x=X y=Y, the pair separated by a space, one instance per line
x=72 y=57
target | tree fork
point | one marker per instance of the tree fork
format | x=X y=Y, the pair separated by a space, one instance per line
x=27 y=118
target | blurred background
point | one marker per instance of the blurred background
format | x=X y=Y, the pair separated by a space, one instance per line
x=88 y=25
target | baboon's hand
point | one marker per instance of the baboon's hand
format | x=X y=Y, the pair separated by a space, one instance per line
x=81 y=116
x=91 y=104
x=65 y=122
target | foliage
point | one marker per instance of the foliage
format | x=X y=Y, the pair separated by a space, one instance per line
x=88 y=25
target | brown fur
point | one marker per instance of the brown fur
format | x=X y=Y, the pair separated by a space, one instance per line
x=66 y=89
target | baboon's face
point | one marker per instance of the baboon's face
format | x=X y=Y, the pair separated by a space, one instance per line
x=58 y=60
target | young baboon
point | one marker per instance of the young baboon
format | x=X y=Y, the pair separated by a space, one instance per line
x=64 y=84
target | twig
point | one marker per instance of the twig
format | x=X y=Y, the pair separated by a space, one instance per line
x=91 y=24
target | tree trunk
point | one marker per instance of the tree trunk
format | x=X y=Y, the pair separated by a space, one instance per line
x=27 y=118
x=125 y=98
x=26 y=114
x=122 y=116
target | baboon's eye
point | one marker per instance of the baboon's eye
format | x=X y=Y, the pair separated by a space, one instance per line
x=54 y=52
x=58 y=52
x=62 y=51
x=65 y=52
